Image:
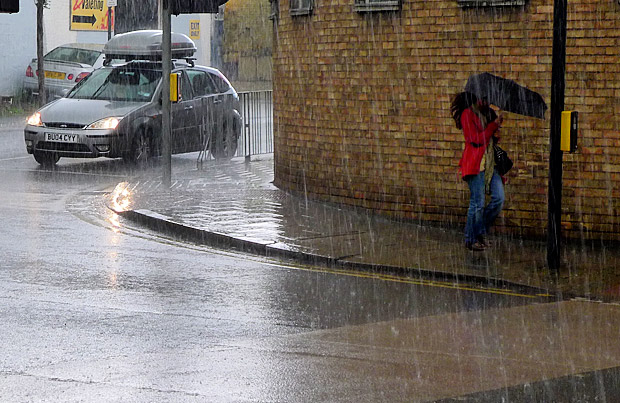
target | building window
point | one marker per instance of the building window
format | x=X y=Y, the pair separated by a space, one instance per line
x=490 y=3
x=377 y=5
x=301 y=7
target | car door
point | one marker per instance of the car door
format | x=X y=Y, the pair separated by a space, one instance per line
x=208 y=114
x=184 y=127
x=221 y=101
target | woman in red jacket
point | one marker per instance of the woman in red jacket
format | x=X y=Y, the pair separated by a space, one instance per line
x=480 y=127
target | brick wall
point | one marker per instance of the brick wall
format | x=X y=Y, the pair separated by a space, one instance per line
x=361 y=109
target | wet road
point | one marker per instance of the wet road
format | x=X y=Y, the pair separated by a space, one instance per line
x=98 y=309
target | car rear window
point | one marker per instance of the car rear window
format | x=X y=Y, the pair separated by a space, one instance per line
x=73 y=55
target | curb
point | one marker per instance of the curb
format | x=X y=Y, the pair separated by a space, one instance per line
x=162 y=223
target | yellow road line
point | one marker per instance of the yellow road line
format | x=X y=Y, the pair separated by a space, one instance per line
x=404 y=280
x=359 y=274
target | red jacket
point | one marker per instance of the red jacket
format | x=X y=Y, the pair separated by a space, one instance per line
x=476 y=140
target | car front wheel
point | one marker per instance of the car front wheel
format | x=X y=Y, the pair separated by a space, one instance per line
x=141 y=148
x=46 y=159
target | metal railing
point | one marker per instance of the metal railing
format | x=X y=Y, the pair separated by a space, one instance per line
x=257 y=114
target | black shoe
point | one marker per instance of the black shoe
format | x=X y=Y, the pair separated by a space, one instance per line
x=476 y=246
x=482 y=240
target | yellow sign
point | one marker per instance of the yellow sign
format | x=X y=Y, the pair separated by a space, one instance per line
x=174 y=87
x=194 y=29
x=90 y=15
x=568 y=131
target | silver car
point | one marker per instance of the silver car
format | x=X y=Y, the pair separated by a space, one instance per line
x=64 y=67
x=116 y=112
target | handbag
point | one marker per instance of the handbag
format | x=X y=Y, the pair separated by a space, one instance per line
x=503 y=163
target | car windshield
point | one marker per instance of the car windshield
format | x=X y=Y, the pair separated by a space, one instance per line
x=74 y=55
x=123 y=84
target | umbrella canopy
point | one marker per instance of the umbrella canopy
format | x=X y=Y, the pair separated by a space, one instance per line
x=507 y=95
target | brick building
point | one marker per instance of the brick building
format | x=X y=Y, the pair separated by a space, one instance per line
x=362 y=92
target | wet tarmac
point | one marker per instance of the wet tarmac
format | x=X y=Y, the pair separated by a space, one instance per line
x=235 y=205
x=114 y=312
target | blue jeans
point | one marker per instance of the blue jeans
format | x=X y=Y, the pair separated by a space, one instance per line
x=479 y=217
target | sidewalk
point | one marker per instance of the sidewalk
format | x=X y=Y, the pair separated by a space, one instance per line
x=235 y=205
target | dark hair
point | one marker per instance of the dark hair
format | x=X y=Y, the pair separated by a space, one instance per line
x=461 y=101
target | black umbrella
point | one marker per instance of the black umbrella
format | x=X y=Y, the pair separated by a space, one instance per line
x=507 y=95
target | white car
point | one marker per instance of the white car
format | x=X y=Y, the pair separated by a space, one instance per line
x=64 y=67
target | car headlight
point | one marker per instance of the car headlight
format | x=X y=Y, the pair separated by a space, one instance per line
x=106 y=123
x=34 y=119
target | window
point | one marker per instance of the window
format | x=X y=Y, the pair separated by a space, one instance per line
x=201 y=83
x=490 y=3
x=377 y=5
x=118 y=84
x=186 y=88
x=301 y=7
x=221 y=85
x=83 y=56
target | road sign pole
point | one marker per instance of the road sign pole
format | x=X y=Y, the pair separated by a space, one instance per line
x=166 y=70
x=558 y=71
x=109 y=23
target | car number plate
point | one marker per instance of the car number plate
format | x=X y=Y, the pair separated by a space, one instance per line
x=62 y=137
x=55 y=75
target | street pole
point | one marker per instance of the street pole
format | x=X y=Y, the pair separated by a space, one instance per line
x=109 y=23
x=558 y=70
x=166 y=58
x=111 y=6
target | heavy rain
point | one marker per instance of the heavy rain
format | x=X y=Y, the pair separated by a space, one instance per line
x=306 y=201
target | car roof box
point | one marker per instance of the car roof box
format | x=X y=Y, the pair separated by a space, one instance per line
x=146 y=45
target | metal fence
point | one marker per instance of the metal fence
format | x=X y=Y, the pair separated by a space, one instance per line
x=257 y=115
